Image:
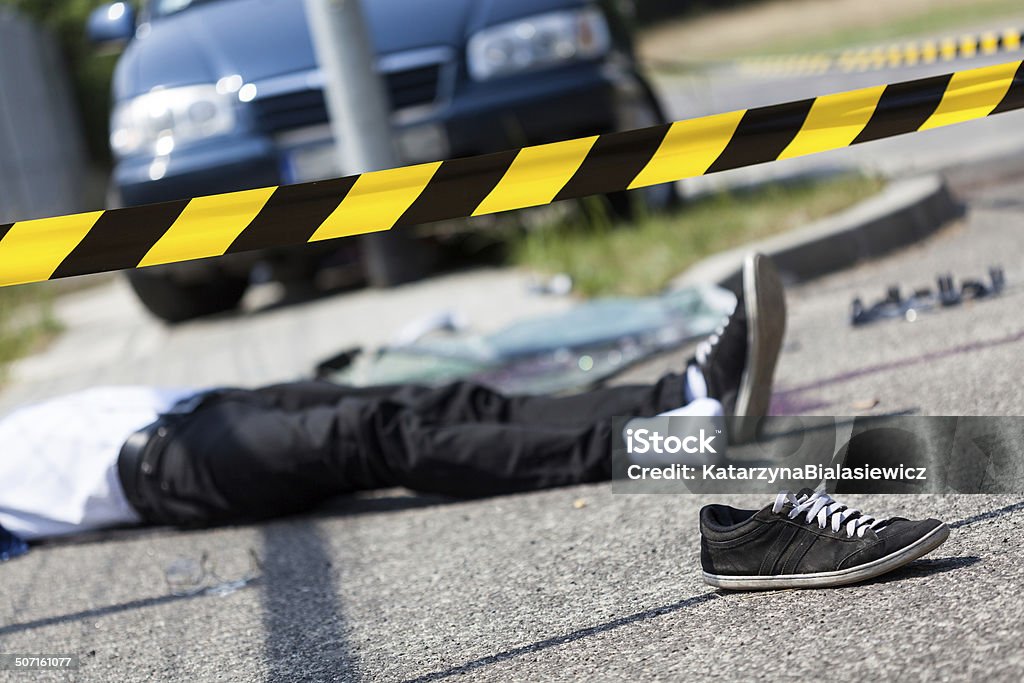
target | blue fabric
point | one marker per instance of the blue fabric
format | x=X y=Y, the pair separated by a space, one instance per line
x=10 y=545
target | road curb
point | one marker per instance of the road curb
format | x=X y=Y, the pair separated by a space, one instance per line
x=905 y=212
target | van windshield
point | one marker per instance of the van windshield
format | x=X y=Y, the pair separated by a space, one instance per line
x=161 y=8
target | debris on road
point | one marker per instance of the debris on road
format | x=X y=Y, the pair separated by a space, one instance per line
x=924 y=300
x=579 y=347
x=188 y=577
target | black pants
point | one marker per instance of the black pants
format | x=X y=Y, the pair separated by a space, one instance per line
x=251 y=454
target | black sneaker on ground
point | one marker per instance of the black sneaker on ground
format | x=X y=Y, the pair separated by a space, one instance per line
x=738 y=361
x=807 y=541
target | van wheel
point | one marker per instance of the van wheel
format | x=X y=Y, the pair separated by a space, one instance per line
x=176 y=301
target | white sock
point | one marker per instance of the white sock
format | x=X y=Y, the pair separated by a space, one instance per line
x=696 y=386
x=701 y=407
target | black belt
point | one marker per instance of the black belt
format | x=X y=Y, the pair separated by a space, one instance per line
x=140 y=455
x=139 y=460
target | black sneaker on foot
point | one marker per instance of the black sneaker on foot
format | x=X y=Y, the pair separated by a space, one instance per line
x=807 y=540
x=738 y=361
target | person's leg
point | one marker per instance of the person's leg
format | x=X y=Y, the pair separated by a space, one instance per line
x=738 y=361
x=240 y=457
x=300 y=395
x=256 y=454
x=467 y=402
x=280 y=449
x=463 y=402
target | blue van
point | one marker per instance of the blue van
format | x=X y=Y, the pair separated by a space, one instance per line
x=213 y=96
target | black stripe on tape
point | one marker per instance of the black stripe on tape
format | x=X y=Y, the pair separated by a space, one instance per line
x=1014 y=97
x=903 y=107
x=4 y=229
x=762 y=134
x=457 y=188
x=613 y=162
x=120 y=239
x=292 y=214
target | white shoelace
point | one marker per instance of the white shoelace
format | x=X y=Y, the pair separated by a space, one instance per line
x=704 y=348
x=828 y=512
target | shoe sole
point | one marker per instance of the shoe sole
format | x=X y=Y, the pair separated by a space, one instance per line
x=765 y=301
x=843 y=577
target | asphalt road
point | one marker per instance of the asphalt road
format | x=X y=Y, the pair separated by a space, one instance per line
x=559 y=585
x=579 y=583
x=965 y=360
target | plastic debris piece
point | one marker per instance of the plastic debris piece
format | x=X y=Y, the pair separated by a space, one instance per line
x=923 y=300
x=189 y=577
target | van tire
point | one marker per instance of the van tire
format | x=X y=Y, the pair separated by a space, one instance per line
x=176 y=301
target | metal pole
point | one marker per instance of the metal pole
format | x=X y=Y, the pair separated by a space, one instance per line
x=360 y=122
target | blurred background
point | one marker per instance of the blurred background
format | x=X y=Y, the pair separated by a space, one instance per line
x=128 y=103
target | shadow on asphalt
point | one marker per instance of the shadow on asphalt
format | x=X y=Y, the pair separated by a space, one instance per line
x=361 y=504
x=302 y=292
x=102 y=611
x=918 y=568
x=341 y=506
x=304 y=627
x=922 y=568
x=299 y=599
x=569 y=637
x=375 y=503
x=991 y=514
x=289 y=298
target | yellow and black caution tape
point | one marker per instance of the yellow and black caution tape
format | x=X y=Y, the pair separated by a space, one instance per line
x=931 y=51
x=203 y=227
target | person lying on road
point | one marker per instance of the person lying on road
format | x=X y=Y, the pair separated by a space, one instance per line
x=135 y=455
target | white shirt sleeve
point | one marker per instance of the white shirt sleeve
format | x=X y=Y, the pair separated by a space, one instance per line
x=58 y=459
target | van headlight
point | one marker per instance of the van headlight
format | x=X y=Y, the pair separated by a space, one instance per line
x=544 y=40
x=161 y=119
